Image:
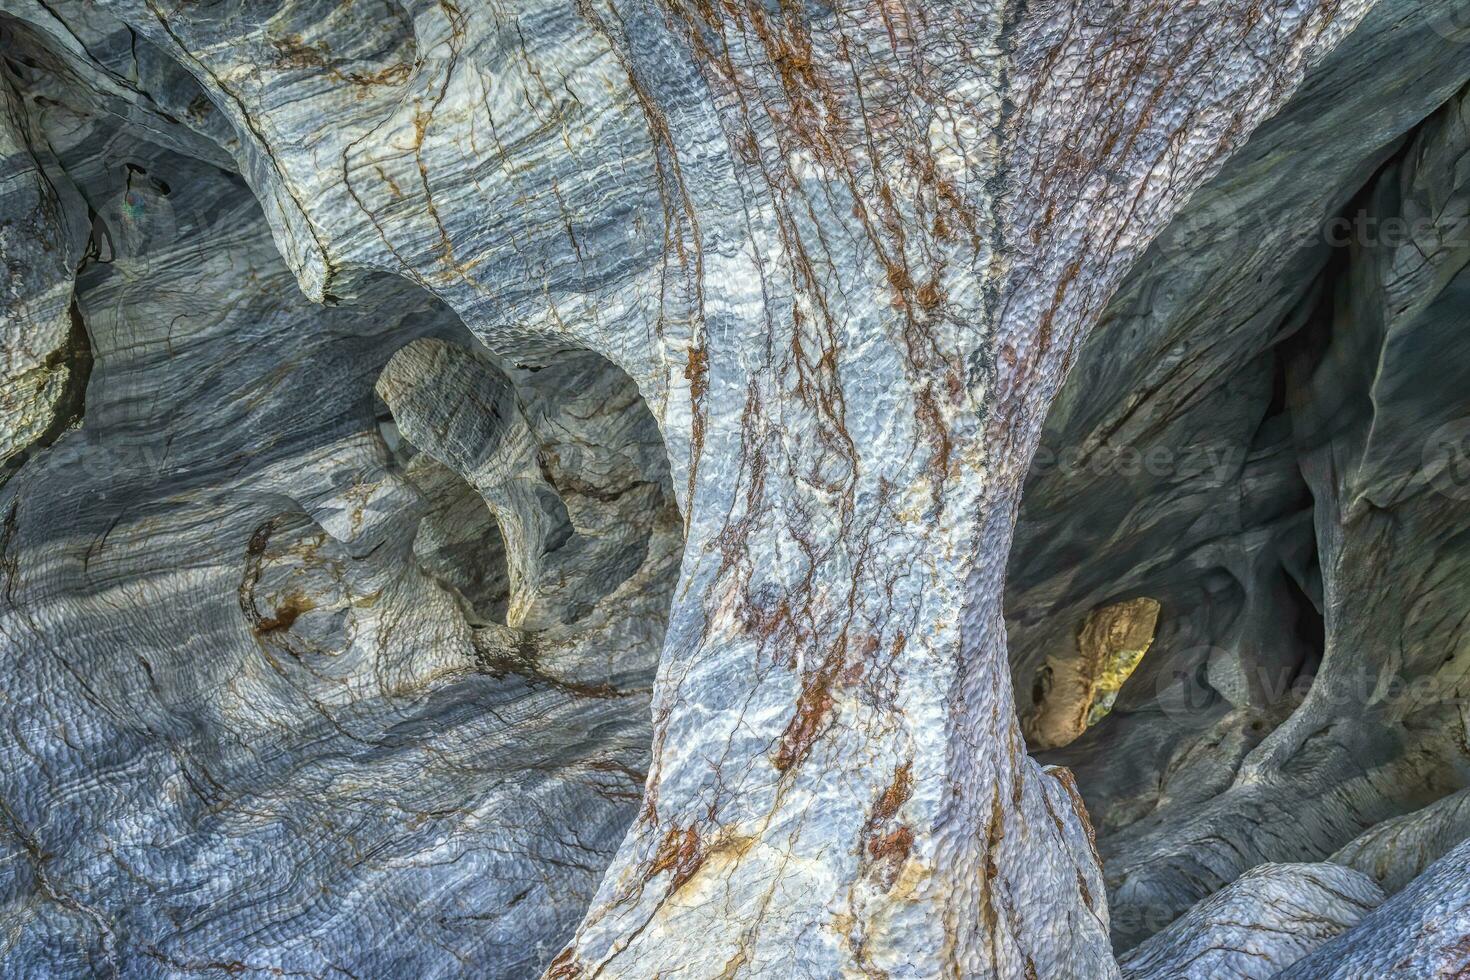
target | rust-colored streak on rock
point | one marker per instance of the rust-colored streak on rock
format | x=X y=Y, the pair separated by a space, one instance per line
x=1064 y=776
x=286 y=614
x=895 y=844
x=696 y=372
x=888 y=850
x=994 y=833
x=294 y=53
x=680 y=852
x=812 y=711
x=564 y=967
x=895 y=796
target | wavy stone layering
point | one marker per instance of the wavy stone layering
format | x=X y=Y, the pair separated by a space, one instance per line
x=766 y=488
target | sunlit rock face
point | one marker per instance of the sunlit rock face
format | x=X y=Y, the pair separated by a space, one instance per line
x=43 y=353
x=610 y=489
x=1078 y=688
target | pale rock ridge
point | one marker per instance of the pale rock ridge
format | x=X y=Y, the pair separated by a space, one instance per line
x=1420 y=932
x=1258 y=925
x=1397 y=851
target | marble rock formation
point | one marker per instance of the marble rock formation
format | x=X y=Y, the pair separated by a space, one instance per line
x=640 y=488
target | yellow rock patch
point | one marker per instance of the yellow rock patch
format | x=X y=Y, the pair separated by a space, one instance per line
x=1077 y=690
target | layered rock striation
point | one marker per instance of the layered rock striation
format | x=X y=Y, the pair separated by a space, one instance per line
x=610 y=489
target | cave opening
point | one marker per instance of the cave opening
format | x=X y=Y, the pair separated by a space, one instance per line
x=545 y=478
x=1262 y=439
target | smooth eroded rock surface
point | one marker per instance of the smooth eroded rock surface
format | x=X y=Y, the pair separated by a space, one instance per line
x=620 y=489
